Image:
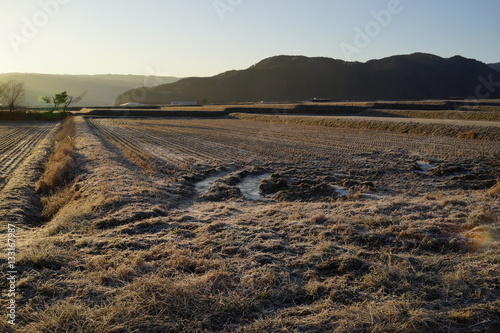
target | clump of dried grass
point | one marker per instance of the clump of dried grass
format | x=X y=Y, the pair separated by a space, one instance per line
x=59 y=170
x=62 y=162
x=495 y=190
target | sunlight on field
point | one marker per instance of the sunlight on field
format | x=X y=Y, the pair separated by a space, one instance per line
x=249 y=225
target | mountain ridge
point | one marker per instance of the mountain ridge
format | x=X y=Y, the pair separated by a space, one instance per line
x=295 y=78
x=495 y=66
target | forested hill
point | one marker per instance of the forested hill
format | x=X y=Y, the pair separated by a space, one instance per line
x=297 y=78
x=495 y=66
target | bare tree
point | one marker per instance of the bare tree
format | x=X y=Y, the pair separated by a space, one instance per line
x=13 y=93
x=2 y=90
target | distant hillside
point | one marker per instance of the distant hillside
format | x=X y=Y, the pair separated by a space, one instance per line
x=495 y=66
x=101 y=89
x=296 y=78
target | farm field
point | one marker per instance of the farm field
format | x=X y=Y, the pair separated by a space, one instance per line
x=251 y=223
x=17 y=142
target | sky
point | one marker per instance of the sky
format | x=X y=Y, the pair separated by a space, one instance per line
x=205 y=37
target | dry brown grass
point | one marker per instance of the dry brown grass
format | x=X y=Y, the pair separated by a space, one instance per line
x=449 y=114
x=340 y=267
x=495 y=190
x=470 y=131
x=59 y=171
x=390 y=261
x=62 y=162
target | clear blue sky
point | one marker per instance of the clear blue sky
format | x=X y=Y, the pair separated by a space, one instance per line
x=206 y=37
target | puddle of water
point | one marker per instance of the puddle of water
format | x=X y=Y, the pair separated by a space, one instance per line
x=424 y=166
x=342 y=191
x=203 y=186
x=249 y=187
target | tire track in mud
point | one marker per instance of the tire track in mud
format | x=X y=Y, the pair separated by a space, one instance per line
x=17 y=145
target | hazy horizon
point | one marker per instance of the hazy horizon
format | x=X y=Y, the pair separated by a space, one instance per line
x=154 y=75
x=205 y=38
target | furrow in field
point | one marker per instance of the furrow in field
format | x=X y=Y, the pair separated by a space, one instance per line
x=122 y=139
x=122 y=143
x=21 y=143
x=9 y=139
x=184 y=147
x=22 y=146
x=18 y=146
x=229 y=147
x=182 y=142
x=181 y=149
x=224 y=140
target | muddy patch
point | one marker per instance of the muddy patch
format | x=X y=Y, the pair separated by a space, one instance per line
x=274 y=183
x=307 y=190
x=202 y=187
x=250 y=187
x=424 y=166
x=240 y=184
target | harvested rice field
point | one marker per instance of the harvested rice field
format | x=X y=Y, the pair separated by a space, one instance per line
x=251 y=223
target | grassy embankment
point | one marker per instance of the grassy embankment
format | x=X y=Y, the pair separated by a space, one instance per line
x=449 y=114
x=451 y=130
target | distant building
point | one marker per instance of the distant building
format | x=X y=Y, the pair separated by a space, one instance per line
x=184 y=103
x=132 y=105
